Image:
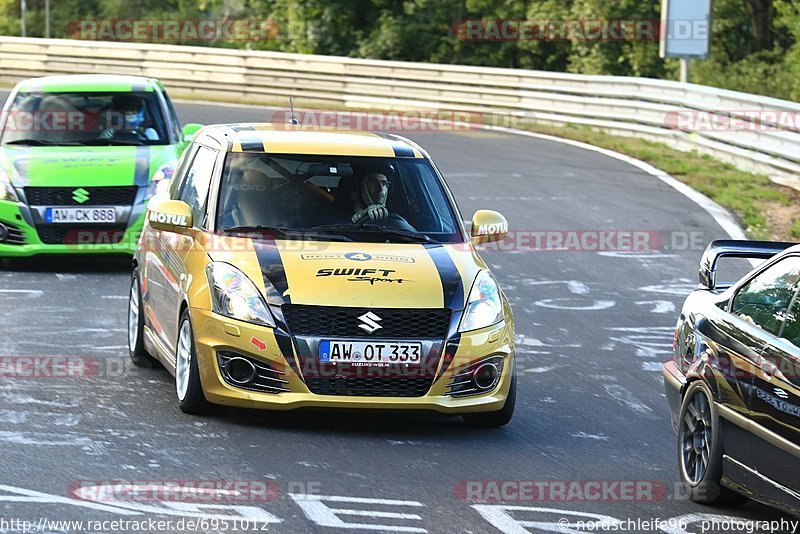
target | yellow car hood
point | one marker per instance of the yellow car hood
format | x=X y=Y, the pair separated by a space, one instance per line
x=358 y=274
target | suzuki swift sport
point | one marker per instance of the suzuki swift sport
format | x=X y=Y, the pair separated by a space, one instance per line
x=80 y=155
x=287 y=268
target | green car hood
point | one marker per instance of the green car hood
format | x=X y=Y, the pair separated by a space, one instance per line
x=84 y=166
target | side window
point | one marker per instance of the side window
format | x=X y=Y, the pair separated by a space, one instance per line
x=180 y=172
x=791 y=326
x=194 y=190
x=764 y=299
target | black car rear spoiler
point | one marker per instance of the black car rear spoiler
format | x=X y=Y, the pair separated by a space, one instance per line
x=733 y=248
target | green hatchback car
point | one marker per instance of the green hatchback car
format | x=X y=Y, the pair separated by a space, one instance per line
x=79 y=158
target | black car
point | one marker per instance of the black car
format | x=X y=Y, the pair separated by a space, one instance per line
x=733 y=385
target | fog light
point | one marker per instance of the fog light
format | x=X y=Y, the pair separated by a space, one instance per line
x=240 y=370
x=486 y=376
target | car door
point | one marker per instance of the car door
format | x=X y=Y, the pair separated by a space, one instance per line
x=155 y=279
x=770 y=301
x=775 y=403
x=170 y=248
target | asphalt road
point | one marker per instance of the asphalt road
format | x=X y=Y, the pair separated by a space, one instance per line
x=592 y=330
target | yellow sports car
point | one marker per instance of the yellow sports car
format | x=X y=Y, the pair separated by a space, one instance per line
x=285 y=268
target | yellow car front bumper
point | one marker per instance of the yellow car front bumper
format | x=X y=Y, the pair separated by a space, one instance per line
x=215 y=333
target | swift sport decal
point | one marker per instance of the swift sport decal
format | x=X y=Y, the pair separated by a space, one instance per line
x=363 y=275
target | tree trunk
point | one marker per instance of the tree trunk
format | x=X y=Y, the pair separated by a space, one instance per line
x=760 y=25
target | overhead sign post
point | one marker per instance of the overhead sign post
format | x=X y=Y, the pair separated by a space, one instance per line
x=685 y=31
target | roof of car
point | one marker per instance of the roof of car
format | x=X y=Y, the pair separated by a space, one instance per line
x=89 y=83
x=276 y=138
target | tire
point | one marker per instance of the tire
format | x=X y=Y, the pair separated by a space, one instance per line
x=187 y=374
x=495 y=419
x=700 y=448
x=136 y=350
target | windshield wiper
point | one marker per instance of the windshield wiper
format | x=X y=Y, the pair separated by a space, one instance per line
x=376 y=229
x=29 y=142
x=114 y=142
x=283 y=231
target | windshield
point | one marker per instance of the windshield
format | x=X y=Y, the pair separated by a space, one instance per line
x=84 y=118
x=353 y=198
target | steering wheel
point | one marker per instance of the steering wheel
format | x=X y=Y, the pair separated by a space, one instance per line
x=394 y=220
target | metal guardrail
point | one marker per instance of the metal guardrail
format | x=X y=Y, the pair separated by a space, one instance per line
x=638 y=107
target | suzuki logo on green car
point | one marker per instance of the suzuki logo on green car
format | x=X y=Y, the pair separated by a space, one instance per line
x=80 y=195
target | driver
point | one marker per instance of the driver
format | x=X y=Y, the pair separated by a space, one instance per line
x=370 y=199
x=127 y=114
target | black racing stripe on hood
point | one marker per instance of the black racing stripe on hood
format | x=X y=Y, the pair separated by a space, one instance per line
x=402 y=150
x=451 y=347
x=452 y=287
x=269 y=259
x=141 y=172
x=286 y=346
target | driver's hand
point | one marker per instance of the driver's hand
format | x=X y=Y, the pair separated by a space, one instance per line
x=375 y=212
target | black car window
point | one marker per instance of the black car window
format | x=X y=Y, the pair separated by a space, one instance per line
x=764 y=299
x=194 y=190
x=791 y=325
x=327 y=194
x=178 y=179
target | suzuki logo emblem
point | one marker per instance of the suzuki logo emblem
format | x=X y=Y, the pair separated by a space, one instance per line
x=80 y=195
x=369 y=322
x=781 y=393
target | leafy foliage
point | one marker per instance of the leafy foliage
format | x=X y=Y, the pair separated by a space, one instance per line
x=755 y=43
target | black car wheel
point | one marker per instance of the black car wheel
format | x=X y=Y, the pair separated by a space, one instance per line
x=136 y=350
x=495 y=419
x=187 y=373
x=700 y=448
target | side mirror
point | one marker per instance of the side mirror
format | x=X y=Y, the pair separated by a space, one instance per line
x=190 y=129
x=169 y=215
x=488 y=226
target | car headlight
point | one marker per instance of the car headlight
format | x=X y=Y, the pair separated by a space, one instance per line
x=485 y=306
x=6 y=189
x=164 y=172
x=234 y=295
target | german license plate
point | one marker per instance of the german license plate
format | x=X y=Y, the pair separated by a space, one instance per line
x=369 y=352
x=81 y=215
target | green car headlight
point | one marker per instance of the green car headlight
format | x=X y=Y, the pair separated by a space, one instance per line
x=234 y=295
x=6 y=189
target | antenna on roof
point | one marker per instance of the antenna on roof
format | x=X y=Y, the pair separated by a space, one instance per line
x=292 y=119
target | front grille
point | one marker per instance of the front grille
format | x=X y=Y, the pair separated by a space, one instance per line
x=82 y=234
x=267 y=379
x=384 y=386
x=396 y=323
x=97 y=196
x=15 y=235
